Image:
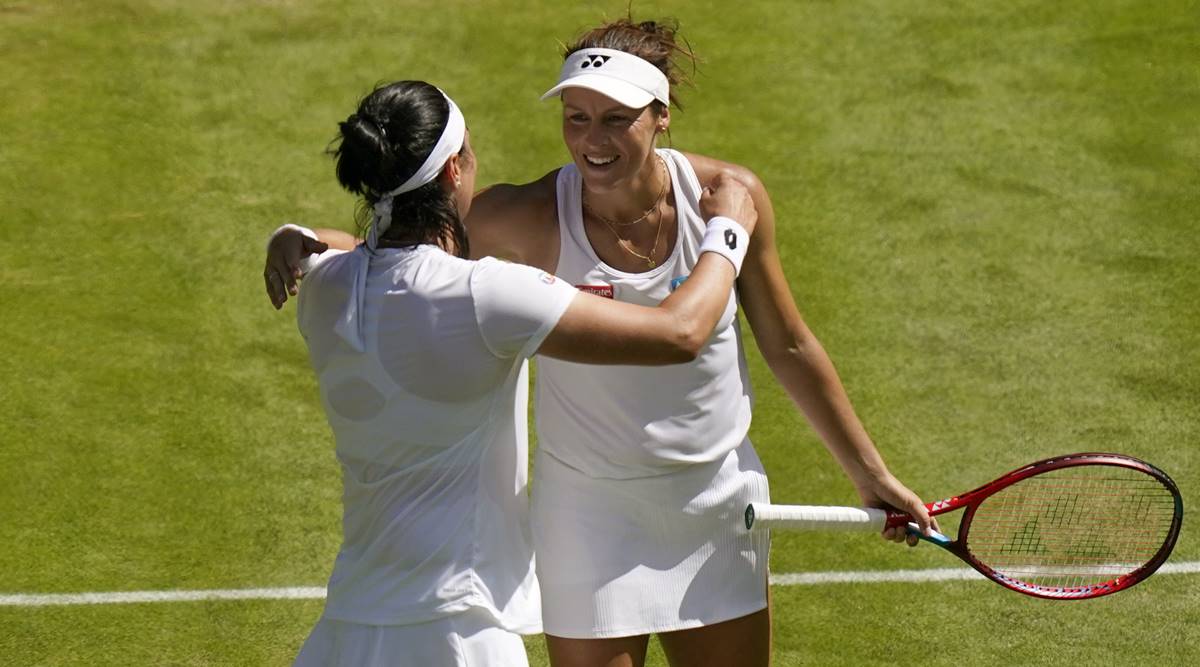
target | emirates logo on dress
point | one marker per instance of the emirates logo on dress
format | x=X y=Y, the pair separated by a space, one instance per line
x=593 y=61
x=605 y=291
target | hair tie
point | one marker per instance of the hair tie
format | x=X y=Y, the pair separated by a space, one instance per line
x=378 y=126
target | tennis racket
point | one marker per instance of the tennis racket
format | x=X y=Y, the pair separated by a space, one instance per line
x=1067 y=528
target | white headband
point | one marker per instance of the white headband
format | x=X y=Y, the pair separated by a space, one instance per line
x=350 y=322
x=450 y=143
x=624 y=77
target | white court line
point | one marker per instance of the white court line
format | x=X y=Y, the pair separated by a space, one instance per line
x=296 y=593
x=318 y=592
x=911 y=576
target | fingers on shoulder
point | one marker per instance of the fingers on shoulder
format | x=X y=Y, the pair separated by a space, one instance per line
x=709 y=169
x=758 y=193
x=743 y=175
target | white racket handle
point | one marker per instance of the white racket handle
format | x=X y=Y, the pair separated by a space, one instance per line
x=814 y=517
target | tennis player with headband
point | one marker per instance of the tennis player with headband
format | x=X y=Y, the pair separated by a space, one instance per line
x=420 y=358
x=641 y=474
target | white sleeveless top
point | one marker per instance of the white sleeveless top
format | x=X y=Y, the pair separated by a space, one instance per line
x=623 y=422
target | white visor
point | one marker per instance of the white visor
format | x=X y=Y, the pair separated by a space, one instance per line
x=623 y=77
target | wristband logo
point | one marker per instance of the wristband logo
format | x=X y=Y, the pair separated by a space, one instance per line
x=594 y=61
x=731 y=239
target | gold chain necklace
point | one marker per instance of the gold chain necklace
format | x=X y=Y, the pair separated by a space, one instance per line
x=658 y=200
x=627 y=245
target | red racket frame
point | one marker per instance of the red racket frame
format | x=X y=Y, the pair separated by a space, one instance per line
x=972 y=500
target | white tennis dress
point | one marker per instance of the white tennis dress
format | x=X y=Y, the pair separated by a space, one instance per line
x=642 y=473
x=430 y=422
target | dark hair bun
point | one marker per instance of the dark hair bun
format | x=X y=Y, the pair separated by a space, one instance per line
x=363 y=155
x=382 y=144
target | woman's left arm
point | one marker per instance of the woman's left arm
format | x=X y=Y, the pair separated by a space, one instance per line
x=798 y=361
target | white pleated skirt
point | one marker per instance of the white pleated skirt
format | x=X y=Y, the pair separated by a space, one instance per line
x=617 y=558
x=467 y=639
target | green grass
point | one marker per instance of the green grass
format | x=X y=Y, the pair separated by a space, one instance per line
x=987 y=214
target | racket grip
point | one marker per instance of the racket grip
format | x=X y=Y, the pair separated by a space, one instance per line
x=814 y=517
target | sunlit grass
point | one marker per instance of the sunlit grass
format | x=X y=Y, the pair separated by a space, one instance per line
x=986 y=212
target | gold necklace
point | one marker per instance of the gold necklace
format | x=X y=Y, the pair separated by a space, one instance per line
x=628 y=245
x=662 y=193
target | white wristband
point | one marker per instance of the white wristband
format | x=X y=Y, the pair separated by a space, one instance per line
x=728 y=239
x=306 y=262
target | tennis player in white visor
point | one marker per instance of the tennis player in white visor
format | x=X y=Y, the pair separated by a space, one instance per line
x=642 y=474
x=420 y=357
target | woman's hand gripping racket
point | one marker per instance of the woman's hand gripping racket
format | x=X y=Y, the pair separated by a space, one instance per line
x=1066 y=528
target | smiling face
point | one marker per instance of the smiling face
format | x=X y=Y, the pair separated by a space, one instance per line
x=610 y=144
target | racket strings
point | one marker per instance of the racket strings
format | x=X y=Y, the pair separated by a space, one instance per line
x=1072 y=527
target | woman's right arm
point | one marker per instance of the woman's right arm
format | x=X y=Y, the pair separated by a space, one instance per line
x=287 y=250
x=516 y=223
x=596 y=330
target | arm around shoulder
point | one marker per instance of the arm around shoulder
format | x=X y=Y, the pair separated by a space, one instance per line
x=602 y=331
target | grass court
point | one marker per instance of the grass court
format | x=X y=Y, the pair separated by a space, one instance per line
x=987 y=211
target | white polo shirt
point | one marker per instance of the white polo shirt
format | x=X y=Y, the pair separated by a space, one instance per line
x=430 y=424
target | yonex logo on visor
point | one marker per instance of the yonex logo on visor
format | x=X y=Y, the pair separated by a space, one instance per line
x=593 y=61
x=620 y=76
